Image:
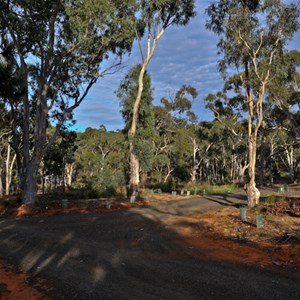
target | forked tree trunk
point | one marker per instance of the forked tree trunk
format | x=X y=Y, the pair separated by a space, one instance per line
x=134 y=160
x=170 y=170
x=241 y=173
x=255 y=118
x=290 y=159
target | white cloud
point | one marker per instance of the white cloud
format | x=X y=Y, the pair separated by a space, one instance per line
x=185 y=55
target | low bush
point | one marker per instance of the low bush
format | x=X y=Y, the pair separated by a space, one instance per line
x=210 y=189
x=287 y=207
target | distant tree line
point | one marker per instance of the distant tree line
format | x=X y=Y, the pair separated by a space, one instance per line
x=53 y=52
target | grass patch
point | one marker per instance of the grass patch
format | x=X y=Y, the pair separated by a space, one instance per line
x=211 y=189
x=270 y=199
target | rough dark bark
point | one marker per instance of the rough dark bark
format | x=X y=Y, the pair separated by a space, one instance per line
x=29 y=185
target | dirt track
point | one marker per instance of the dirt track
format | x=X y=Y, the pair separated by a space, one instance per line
x=141 y=253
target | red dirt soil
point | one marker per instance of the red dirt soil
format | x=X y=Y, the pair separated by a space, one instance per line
x=199 y=239
x=16 y=285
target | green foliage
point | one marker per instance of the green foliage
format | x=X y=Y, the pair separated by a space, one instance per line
x=60 y=153
x=168 y=12
x=144 y=150
x=100 y=161
x=54 y=52
x=103 y=185
x=206 y=188
x=233 y=21
x=173 y=186
x=127 y=92
x=271 y=199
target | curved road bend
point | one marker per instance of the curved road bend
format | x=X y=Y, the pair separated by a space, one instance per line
x=130 y=255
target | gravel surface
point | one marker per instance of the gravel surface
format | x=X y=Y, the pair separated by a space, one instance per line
x=131 y=254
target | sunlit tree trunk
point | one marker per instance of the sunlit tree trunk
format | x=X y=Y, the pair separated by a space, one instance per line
x=9 y=169
x=170 y=170
x=290 y=159
x=134 y=160
x=134 y=172
x=1 y=183
x=195 y=161
x=69 y=170
x=255 y=112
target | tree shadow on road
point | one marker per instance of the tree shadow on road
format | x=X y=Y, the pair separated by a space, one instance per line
x=128 y=254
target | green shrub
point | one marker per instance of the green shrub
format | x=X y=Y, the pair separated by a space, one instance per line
x=271 y=199
x=281 y=199
x=206 y=188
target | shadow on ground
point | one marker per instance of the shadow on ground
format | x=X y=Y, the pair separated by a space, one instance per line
x=130 y=255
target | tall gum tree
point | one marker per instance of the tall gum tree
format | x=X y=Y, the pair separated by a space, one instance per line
x=252 y=34
x=127 y=92
x=57 y=49
x=156 y=17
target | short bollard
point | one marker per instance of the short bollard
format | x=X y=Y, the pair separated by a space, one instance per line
x=108 y=204
x=174 y=193
x=243 y=213
x=259 y=221
x=65 y=203
x=132 y=199
x=188 y=193
x=151 y=194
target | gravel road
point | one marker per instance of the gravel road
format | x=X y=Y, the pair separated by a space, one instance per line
x=131 y=254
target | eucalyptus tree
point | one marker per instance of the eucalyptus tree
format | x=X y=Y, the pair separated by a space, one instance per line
x=156 y=17
x=9 y=84
x=57 y=49
x=8 y=157
x=141 y=143
x=284 y=95
x=185 y=127
x=59 y=156
x=284 y=91
x=163 y=142
x=252 y=35
x=100 y=159
x=229 y=122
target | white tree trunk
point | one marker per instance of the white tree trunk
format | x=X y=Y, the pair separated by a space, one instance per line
x=1 y=184
x=69 y=169
x=9 y=169
x=134 y=160
x=134 y=173
x=290 y=159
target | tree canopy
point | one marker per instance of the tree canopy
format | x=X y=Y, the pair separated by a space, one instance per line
x=53 y=51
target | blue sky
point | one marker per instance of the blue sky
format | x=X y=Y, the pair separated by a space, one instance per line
x=185 y=55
